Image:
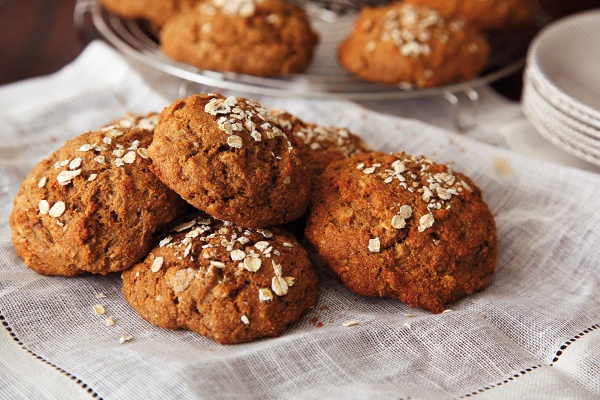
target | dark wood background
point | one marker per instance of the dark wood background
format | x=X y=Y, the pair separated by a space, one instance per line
x=38 y=37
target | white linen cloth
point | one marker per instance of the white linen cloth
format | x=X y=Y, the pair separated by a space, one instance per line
x=533 y=334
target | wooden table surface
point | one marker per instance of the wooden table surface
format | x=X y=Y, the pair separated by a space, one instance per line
x=38 y=37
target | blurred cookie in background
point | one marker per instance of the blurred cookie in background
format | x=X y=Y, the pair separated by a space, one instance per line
x=412 y=46
x=155 y=11
x=486 y=15
x=254 y=37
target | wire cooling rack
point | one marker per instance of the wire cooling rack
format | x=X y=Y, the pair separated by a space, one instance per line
x=325 y=78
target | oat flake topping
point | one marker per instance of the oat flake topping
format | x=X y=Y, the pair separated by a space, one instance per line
x=374 y=245
x=73 y=168
x=399 y=220
x=252 y=264
x=125 y=338
x=44 y=207
x=440 y=187
x=237 y=255
x=220 y=246
x=426 y=221
x=131 y=121
x=265 y=294
x=318 y=136
x=183 y=279
x=99 y=309
x=157 y=264
x=411 y=28
x=279 y=286
x=241 y=8
x=65 y=177
x=42 y=182
x=57 y=209
x=236 y=115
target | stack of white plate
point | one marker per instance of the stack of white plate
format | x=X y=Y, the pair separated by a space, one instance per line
x=561 y=93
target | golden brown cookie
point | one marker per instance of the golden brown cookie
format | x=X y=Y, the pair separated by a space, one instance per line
x=228 y=283
x=412 y=46
x=93 y=205
x=319 y=145
x=263 y=38
x=230 y=159
x=155 y=11
x=400 y=226
x=485 y=14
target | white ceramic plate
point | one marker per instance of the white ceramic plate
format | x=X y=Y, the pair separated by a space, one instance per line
x=554 y=96
x=549 y=125
x=567 y=56
x=582 y=133
x=550 y=132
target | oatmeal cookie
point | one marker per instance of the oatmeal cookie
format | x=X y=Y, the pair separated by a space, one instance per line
x=155 y=11
x=255 y=37
x=230 y=159
x=93 y=205
x=228 y=283
x=485 y=15
x=400 y=226
x=319 y=145
x=412 y=46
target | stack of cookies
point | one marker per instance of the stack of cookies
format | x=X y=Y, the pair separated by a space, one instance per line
x=190 y=205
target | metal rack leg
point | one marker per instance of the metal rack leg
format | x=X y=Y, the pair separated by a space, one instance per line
x=464 y=121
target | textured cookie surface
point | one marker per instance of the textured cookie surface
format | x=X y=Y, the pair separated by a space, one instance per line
x=230 y=159
x=403 y=227
x=263 y=38
x=485 y=14
x=93 y=205
x=228 y=283
x=412 y=46
x=319 y=145
x=155 y=11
